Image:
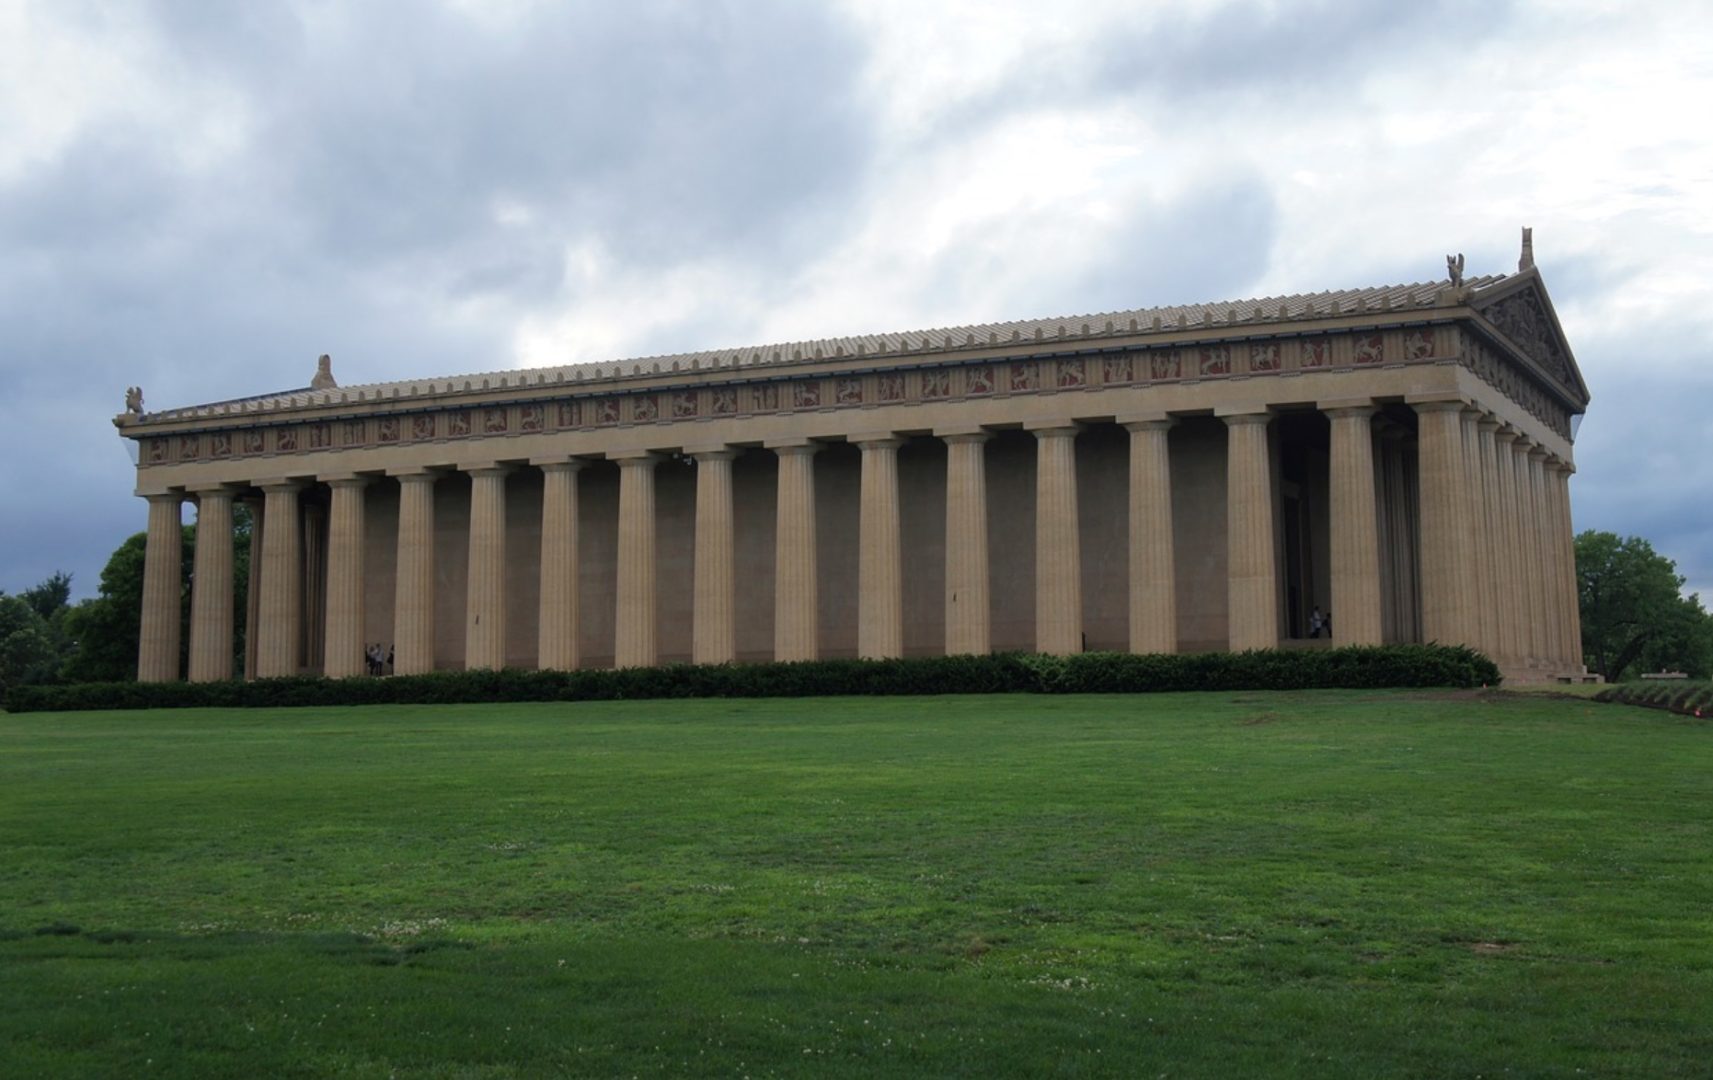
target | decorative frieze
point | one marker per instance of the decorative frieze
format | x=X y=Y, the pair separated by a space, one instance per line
x=951 y=382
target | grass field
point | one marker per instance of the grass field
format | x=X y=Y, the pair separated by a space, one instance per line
x=1317 y=884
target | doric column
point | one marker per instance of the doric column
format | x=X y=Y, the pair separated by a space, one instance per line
x=558 y=620
x=1513 y=634
x=880 y=565
x=343 y=643
x=1355 y=528
x=253 y=588
x=794 y=591
x=713 y=632
x=1253 y=588
x=1567 y=572
x=1399 y=533
x=163 y=584
x=1554 y=564
x=968 y=630
x=1531 y=635
x=1058 y=542
x=1540 y=552
x=279 y=624
x=485 y=585
x=1476 y=580
x=211 y=588
x=1445 y=540
x=413 y=602
x=635 y=634
x=312 y=619
x=1153 y=568
x=1487 y=538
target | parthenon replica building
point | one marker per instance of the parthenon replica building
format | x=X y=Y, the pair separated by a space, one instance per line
x=1158 y=480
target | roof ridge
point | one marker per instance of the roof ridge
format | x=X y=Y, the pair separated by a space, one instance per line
x=1066 y=327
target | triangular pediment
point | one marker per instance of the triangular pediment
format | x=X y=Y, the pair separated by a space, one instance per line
x=1519 y=312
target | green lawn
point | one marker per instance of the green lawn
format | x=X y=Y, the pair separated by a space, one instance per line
x=1316 y=884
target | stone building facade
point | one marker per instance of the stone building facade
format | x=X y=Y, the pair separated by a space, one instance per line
x=1169 y=479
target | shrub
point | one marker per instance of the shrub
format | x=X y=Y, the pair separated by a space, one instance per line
x=1688 y=698
x=1083 y=673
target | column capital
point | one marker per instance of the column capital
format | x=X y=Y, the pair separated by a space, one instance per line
x=722 y=453
x=1347 y=405
x=1558 y=464
x=633 y=459
x=346 y=480
x=1147 y=422
x=1053 y=429
x=793 y=447
x=1349 y=412
x=416 y=472
x=1241 y=419
x=1488 y=422
x=199 y=490
x=485 y=468
x=953 y=436
x=165 y=497
x=1507 y=434
x=877 y=441
x=1537 y=452
x=282 y=485
x=558 y=464
x=1428 y=403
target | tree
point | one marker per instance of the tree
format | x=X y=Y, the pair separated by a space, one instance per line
x=104 y=631
x=1634 y=614
x=51 y=596
x=27 y=651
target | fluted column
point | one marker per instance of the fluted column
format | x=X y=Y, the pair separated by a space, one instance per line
x=1562 y=562
x=635 y=637
x=713 y=631
x=313 y=618
x=558 y=619
x=1058 y=542
x=413 y=602
x=1153 y=567
x=1355 y=528
x=1487 y=538
x=211 y=588
x=794 y=589
x=1540 y=551
x=1514 y=635
x=1554 y=564
x=163 y=585
x=968 y=629
x=280 y=626
x=1567 y=571
x=880 y=565
x=343 y=643
x=1445 y=539
x=253 y=589
x=485 y=584
x=1253 y=588
x=1532 y=635
x=1477 y=579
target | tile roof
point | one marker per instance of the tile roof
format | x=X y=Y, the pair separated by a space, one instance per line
x=1253 y=311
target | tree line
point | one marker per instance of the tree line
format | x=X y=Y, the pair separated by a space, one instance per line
x=1635 y=616
x=45 y=638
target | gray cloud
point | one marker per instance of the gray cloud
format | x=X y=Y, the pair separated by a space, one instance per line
x=359 y=207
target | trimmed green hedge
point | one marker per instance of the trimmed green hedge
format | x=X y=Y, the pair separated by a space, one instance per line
x=1680 y=696
x=1272 y=669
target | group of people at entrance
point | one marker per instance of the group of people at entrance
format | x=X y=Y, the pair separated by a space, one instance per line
x=380 y=658
x=1320 y=625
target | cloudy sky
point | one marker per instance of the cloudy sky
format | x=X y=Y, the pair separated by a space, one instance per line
x=200 y=197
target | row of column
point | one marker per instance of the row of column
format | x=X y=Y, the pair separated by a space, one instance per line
x=1494 y=507
x=1498 y=559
